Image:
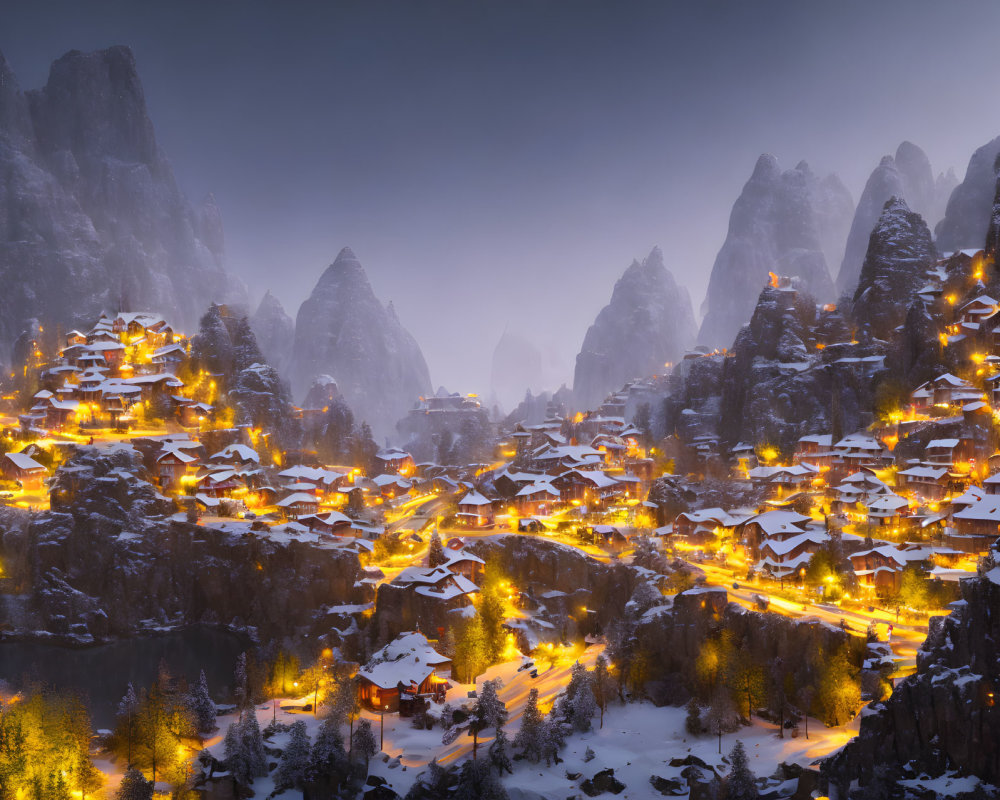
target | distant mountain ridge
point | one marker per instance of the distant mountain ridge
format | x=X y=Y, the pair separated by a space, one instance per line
x=91 y=217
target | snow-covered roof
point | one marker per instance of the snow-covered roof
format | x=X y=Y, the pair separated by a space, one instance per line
x=987 y=509
x=238 y=451
x=944 y=444
x=295 y=498
x=22 y=461
x=408 y=659
x=474 y=498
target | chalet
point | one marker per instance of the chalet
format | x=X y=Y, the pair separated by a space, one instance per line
x=437 y=583
x=784 y=558
x=23 y=469
x=406 y=669
x=299 y=504
x=930 y=483
x=219 y=483
x=536 y=498
x=172 y=465
x=75 y=338
x=394 y=460
x=976 y=526
x=394 y=485
x=948 y=452
x=881 y=568
x=976 y=311
x=590 y=487
x=775 y=525
x=476 y=510
x=888 y=510
x=334 y=523
x=700 y=527
x=168 y=358
x=464 y=563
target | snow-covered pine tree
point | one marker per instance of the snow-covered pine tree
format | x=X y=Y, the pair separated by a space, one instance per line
x=529 y=738
x=435 y=552
x=499 y=753
x=237 y=759
x=741 y=782
x=476 y=781
x=253 y=742
x=201 y=705
x=488 y=712
x=363 y=744
x=583 y=707
x=553 y=738
x=134 y=786
x=328 y=752
x=294 y=766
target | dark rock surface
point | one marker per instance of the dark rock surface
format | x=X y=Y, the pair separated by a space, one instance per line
x=968 y=214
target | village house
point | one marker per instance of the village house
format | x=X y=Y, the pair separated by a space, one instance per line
x=880 y=569
x=930 y=483
x=773 y=525
x=405 y=670
x=25 y=470
x=536 y=498
x=438 y=583
x=783 y=558
x=977 y=525
x=475 y=510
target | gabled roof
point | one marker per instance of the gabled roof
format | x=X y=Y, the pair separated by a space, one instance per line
x=408 y=659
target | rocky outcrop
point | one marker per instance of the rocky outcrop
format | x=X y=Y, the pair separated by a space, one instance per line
x=906 y=175
x=648 y=323
x=789 y=223
x=107 y=562
x=275 y=331
x=91 y=217
x=343 y=330
x=900 y=251
x=945 y=716
x=968 y=213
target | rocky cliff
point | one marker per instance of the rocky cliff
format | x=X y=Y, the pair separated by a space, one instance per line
x=944 y=717
x=906 y=175
x=968 y=214
x=648 y=323
x=900 y=251
x=107 y=562
x=91 y=217
x=343 y=330
x=786 y=222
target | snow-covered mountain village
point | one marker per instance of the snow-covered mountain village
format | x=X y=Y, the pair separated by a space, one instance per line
x=246 y=555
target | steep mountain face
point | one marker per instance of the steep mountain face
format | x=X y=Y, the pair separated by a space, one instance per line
x=90 y=214
x=648 y=323
x=790 y=223
x=968 y=214
x=908 y=175
x=342 y=330
x=900 y=251
x=943 y=717
x=275 y=331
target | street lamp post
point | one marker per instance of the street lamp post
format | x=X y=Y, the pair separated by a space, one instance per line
x=381 y=732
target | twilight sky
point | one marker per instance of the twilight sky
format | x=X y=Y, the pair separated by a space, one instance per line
x=499 y=164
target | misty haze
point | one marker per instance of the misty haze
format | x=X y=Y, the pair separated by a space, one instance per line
x=513 y=400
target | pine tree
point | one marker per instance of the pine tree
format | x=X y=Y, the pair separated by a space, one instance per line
x=127 y=710
x=583 y=708
x=552 y=739
x=529 y=737
x=435 y=552
x=741 y=782
x=201 y=705
x=253 y=742
x=236 y=756
x=499 y=753
x=328 y=757
x=134 y=787
x=241 y=684
x=363 y=744
x=295 y=759
x=603 y=685
x=476 y=781
x=489 y=711
x=471 y=655
x=692 y=722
